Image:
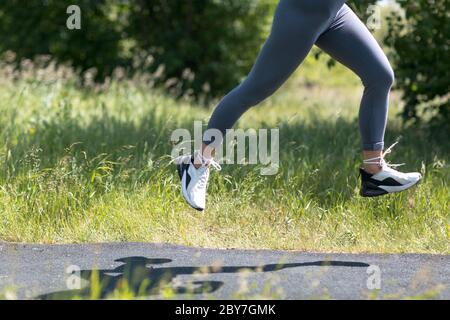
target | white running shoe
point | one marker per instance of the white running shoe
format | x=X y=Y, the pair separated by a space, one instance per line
x=194 y=182
x=388 y=180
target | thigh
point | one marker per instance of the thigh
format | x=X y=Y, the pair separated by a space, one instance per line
x=349 y=42
x=293 y=34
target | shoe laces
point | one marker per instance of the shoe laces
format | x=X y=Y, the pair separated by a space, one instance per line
x=206 y=164
x=381 y=161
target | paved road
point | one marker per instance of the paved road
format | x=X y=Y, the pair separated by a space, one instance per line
x=156 y=270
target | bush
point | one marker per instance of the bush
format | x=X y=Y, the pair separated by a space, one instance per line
x=207 y=45
x=421 y=56
x=360 y=7
x=38 y=27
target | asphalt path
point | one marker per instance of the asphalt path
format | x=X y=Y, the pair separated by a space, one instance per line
x=158 y=271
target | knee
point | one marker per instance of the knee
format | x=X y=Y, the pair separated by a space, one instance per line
x=387 y=77
x=384 y=78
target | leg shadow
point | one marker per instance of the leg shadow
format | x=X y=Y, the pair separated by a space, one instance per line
x=139 y=276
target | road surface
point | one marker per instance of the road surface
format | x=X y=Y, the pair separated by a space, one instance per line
x=157 y=271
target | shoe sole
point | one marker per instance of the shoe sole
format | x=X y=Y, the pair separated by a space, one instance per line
x=183 y=191
x=377 y=191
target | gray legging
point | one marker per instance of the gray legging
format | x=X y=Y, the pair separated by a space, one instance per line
x=335 y=28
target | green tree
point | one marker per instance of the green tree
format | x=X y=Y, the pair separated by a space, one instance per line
x=361 y=6
x=216 y=41
x=36 y=27
x=420 y=41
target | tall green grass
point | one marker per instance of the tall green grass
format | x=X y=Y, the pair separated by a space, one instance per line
x=93 y=165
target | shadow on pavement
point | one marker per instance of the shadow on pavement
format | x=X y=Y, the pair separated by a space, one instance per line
x=138 y=276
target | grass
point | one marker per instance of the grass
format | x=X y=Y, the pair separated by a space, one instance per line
x=86 y=165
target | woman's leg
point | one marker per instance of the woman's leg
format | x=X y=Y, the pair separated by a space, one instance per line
x=349 y=41
x=296 y=27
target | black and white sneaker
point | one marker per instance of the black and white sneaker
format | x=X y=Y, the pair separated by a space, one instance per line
x=388 y=180
x=194 y=181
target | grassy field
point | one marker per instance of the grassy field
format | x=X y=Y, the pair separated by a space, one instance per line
x=81 y=165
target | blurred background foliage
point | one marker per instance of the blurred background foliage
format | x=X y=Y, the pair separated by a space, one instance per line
x=202 y=48
x=38 y=27
x=419 y=38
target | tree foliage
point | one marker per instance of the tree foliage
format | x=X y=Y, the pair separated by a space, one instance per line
x=208 y=46
x=204 y=44
x=38 y=27
x=420 y=42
